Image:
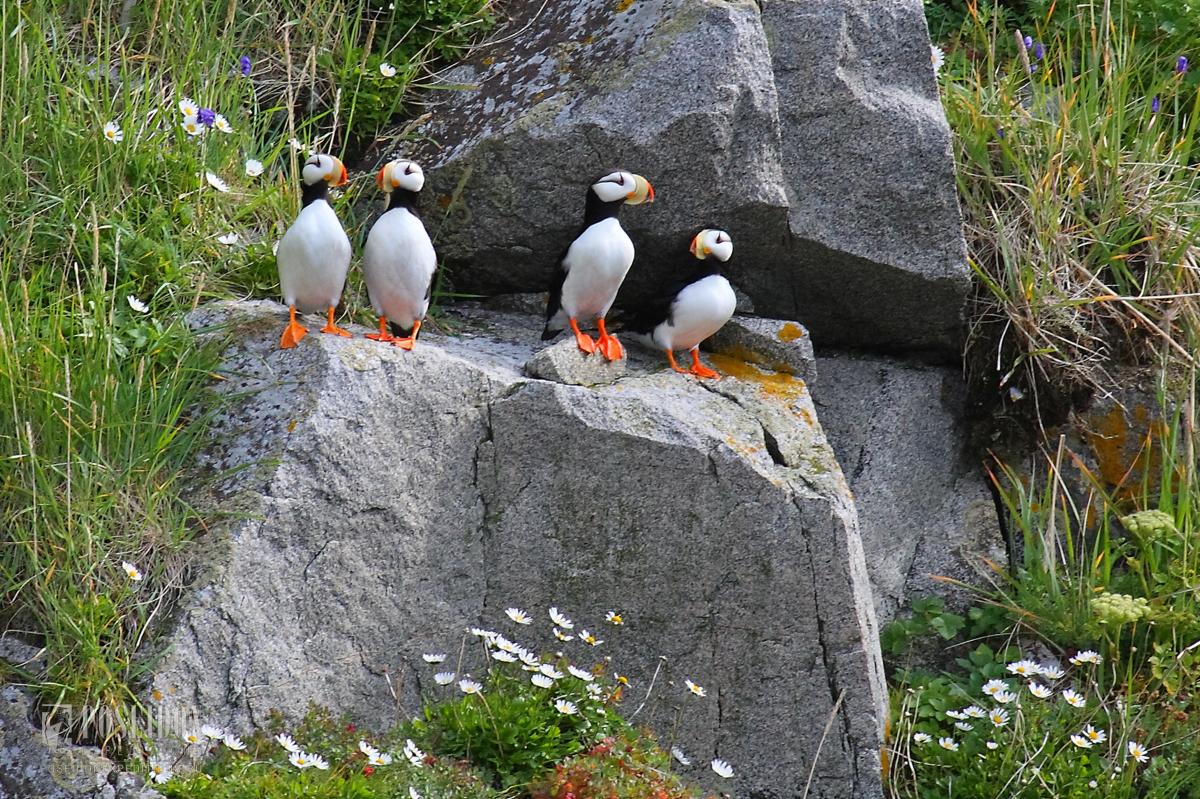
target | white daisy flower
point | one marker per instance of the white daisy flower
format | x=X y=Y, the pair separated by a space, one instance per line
x=922 y=737
x=550 y=671
x=1074 y=698
x=679 y=756
x=1138 y=752
x=948 y=744
x=470 y=687
x=233 y=742
x=560 y=635
x=193 y=737
x=1039 y=690
x=721 y=767
x=1051 y=672
x=1024 y=668
x=518 y=616
x=131 y=571
x=112 y=132
x=380 y=759
x=188 y=107
x=565 y=707
x=228 y=239
x=319 y=762
x=586 y=676
x=286 y=742
x=696 y=689
x=594 y=690
x=222 y=124
x=216 y=182
x=387 y=70
x=937 y=56
x=301 y=759
x=541 y=681
x=956 y=714
x=1087 y=656
x=529 y=660
x=561 y=620
x=367 y=749
x=504 y=645
x=992 y=745
x=1081 y=741
x=444 y=677
x=964 y=726
x=992 y=686
x=1004 y=697
x=612 y=617
x=414 y=754
x=504 y=657
x=254 y=167
x=138 y=306
x=1094 y=735
x=975 y=712
x=212 y=731
x=192 y=127
x=588 y=638
x=159 y=771
x=998 y=717
x=434 y=657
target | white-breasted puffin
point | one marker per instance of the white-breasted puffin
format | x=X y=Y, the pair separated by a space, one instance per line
x=398 y=259
x=590 y=272
x=314 y=254
x=693 y=307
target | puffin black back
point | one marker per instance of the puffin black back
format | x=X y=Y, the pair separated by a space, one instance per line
x=311 y=193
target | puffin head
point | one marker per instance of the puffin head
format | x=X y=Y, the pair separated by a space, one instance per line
x=400 y=174
x=625 y=187
x=711 y=241
x=324 y=167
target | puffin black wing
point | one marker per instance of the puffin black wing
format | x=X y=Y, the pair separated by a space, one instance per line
x=554 y=303
x=645 y=316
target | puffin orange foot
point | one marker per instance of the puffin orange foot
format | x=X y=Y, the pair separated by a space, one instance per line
x=292 y=335
x=330 y=327
x=582 y=340
x=700 y=370
x=610 y=348
x=674 y=365
x=404 y=343
x=383 y=334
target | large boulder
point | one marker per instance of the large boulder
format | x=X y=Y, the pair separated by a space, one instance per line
x=382 y=501
x=810 y=129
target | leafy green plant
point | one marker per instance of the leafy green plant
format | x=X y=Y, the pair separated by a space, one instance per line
x=625 y=768
x=928 y=617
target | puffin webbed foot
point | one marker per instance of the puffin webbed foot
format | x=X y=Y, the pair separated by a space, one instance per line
x=330 y=327
x=700 y=370
x=608 y=345
x=293 y=332
x=674 y=365
x=583 y=340
x=383 y=334
x=409 y=341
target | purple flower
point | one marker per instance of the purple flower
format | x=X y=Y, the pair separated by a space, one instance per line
x=1028 y=43
x=1039 y=50
x=1181 y=65
x=1155 y=105
x=244 y=64
x=1000 y=132
x=206 y=117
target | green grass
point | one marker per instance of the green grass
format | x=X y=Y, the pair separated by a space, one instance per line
x=101 y=403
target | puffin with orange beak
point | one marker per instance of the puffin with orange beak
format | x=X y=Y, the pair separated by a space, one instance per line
x=314 y=253
x=398 y=259
x=692 y=308
x=590 y=272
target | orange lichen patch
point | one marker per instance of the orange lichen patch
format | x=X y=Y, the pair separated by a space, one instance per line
x=1125 y=451
x=623 y=5
x=790 y=332
x=444 y=200
x=743 y=353
x=780 y=385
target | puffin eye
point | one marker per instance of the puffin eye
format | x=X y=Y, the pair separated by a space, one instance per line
x=408 y=169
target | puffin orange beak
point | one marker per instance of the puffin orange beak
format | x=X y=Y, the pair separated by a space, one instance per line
x=337 y=176
x=695 y=241
x=642 y=192
x=381 y=179
x=698 y=248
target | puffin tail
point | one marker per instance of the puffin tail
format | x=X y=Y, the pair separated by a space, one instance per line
x=547 y=333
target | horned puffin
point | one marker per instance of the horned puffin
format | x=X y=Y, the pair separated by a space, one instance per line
x=398 y=259
x=693 y=307
x=590 y=271
x=314 y=253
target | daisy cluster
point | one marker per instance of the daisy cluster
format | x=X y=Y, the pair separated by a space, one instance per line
x=1042 y=682
x=558 y=678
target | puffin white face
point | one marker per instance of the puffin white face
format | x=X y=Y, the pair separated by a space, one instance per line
x=711 y=241
x=632 y=189
x=324 y=167
x=400 y=174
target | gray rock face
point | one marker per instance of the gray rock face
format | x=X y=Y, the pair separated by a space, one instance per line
x=392 y=499
x=775 y=344
x=924 y=507
x=811 y=130
x=564 y=362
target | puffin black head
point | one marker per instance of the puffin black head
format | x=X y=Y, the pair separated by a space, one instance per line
x=711 y=241
x=607 y=195
x=320 y=172
x=402 y=180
